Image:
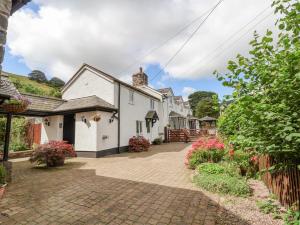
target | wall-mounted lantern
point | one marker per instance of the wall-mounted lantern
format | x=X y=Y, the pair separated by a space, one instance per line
x=83 y=119
x=47 y=121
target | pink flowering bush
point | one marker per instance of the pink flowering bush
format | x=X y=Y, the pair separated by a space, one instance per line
x=52 y=153
x=204 y=150
x=138 y=144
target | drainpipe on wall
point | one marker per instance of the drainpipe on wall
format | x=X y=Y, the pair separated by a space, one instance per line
x=119 y=118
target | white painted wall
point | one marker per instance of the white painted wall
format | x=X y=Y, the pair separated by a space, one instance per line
x=90 y=83
x=107 y=133
x=85 y=133
x=130 y=113
x=52 y=132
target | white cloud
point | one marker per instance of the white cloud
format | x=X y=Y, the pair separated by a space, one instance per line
x=186 y=91
x=112 y=34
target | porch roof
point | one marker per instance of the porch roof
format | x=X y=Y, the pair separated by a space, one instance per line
x=151 y=115
x=208 y=118
x=175 y=114
x=85 y=103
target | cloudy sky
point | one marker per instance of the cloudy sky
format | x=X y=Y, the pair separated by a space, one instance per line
x=120 y=36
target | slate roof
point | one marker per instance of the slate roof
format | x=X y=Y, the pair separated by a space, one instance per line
x=7 y=89
x=175 y=114
x=151 y=115
x=178 y=98
x=85 y=103
x=164 y=90
x=208 y=118
x=41 y=103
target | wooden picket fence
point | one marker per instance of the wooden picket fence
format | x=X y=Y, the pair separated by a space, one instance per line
x=284 y=184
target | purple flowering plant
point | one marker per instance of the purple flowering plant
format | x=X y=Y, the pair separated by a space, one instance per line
x=18 y=100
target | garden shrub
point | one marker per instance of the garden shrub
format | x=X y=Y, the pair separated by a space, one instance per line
x=18 y=146
x=138 y=144
x=223 y=183
x=157 y=141
x=218 y=168
x=264 y=111
x=52 y=153
x=204 y=150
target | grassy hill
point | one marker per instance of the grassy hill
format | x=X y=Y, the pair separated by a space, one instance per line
x=25 y=85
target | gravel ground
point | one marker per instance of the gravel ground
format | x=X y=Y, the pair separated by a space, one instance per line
x=246 y=208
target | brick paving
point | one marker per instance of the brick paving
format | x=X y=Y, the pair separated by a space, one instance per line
x=131 y=188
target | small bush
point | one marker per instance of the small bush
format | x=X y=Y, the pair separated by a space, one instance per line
x=157 y=141
x=138 y=144
x=292 y=217
x=218 y=168
x=223 y=183
x=18 y=146
x=203 y=156
x=52 y=154
x=204 y=150
x=269 y=207
x=2 y=175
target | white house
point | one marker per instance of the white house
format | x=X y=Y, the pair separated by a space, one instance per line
x=99 y=113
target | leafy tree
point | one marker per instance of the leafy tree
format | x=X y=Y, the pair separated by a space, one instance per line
x=197 y=97
x=56 y=82
x=264 y=116
x=208 y=107
x=38 y=76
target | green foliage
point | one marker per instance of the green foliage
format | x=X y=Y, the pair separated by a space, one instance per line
x=38 y=76
x=292 y=217
x=218 y=168
x=157 y=141
x=264 y=115
x=208 y=107
x=17 y=139
x=2 y=175
x=223 y=183
x=56 y=82
x=268 y=207
x=18 y=146
x=203 y=156
x=198 y=96
x=25 y=85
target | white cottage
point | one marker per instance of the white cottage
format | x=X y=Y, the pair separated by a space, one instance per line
x=99 y=113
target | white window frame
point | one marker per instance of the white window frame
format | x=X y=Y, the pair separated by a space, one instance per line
x=139 y=127
x=152 y=104
x=131 y=97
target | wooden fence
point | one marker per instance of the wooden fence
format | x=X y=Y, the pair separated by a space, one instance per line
x=178 y=135
x=284 y=184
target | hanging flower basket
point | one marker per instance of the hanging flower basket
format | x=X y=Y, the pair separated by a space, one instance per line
x=17 y=104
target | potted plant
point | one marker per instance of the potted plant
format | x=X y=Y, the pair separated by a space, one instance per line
x=52 y=154
x=2 y=180
x=16 y=104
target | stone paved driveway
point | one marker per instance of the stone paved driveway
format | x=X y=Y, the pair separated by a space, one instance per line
x=132 y=188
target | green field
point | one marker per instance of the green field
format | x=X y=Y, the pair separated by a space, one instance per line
x=25 y=85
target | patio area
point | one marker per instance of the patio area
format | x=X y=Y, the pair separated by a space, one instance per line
x=131 y=188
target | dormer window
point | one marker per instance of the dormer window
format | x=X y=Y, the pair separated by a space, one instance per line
x=131 y=97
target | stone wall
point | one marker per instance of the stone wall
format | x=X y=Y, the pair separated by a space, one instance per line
x=5 y=9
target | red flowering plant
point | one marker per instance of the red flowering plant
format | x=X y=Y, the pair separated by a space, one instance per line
x=138 y=144
x=204 y=150
x=52 y=153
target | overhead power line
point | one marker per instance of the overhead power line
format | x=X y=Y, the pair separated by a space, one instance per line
x=219 y=53
x=150 y=51
x=187 y=40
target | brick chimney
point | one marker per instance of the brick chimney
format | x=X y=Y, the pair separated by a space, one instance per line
x=140 y=78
